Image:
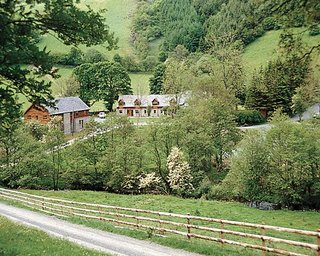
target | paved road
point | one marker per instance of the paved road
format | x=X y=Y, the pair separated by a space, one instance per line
x=91 y=238
x=308 y=114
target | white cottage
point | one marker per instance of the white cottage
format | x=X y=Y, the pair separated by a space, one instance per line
x=148 y=105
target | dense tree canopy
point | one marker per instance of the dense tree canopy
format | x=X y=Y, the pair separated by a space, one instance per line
x=156 y=81
x=281 y=166
x=102 y=81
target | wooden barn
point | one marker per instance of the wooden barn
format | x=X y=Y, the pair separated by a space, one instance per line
x=72 y=110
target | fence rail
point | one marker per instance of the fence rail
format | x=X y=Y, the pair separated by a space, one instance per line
x=293 y=242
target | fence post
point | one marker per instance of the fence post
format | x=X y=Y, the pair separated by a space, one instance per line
x=221 y=233
x=189 y=229
x=160 y=224
x=318 y=242
x=262 y=233
x=137 y=220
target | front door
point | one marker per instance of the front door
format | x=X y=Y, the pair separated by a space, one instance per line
x=130 y=112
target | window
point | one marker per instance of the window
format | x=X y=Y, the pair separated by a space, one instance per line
x=120 y=111
x=145 y=111
x=37 y=118
x=137 y=111
x=154 y=111
x=45 y=117
x=81 y=124
x=29 y=117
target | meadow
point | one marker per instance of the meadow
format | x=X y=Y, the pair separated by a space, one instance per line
x=118 y=17
x=265 y=49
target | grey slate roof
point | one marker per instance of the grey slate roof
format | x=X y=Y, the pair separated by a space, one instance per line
x=67 y=105
x=146 y=100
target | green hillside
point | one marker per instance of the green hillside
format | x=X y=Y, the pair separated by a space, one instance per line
x=264 y=49
x=118 y=18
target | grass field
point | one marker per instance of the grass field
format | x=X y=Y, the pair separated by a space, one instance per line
x=308 y=220
x=264 y=49
x=20 y=240
x=118 y=18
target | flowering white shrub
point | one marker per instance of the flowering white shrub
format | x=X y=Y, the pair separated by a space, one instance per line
x=149 y=181
x=179 y=173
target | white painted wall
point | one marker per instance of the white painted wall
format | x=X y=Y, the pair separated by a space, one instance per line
x=66 y=123
x=77 y=123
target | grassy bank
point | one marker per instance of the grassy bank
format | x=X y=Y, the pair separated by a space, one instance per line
x=308 y=220
x=264 y=49
x=20 y=240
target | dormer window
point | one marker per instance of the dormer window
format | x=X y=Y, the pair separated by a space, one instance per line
x=155 y=102
x=137 y=102
x=121 y=102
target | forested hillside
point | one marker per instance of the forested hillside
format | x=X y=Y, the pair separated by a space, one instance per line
x=195 y=24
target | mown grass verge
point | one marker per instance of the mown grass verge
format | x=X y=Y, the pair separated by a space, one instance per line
x=308 y=220
x=17 y=239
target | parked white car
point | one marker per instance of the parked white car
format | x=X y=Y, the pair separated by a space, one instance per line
x=102 y=115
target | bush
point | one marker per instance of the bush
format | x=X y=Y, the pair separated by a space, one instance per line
x=314 y=30
x=149 y=63
x=249 y=117
x=270 y=23
x=279 y=166
x=93 y=56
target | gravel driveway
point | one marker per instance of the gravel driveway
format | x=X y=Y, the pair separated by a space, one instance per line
x=91 y=238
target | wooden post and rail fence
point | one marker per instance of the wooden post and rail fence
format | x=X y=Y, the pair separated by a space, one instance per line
x=266 y=238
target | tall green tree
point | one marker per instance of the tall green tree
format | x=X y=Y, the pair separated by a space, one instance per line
x=177 y=78
x=102 y=81
x=228 y=54
x=278 y=81
x=84 y=161
x=156 y=81
x=54 y=140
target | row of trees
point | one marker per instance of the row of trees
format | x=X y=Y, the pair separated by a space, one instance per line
x=131 y=63
x=76 y=57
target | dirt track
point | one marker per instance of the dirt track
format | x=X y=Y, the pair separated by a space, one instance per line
x=91 y=238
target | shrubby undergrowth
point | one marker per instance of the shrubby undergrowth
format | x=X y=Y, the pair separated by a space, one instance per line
x=281 y=166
